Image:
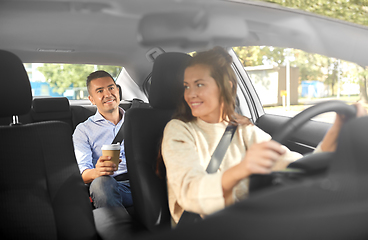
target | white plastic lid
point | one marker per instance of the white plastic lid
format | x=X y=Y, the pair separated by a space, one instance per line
x=111 y=147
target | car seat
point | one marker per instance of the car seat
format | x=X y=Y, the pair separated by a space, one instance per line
x=42 y=194
x=143 y=128
x=53 y=108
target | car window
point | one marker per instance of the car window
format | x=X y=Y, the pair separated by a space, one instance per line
x=288 y=81
x=353 y=11
x=63 y=80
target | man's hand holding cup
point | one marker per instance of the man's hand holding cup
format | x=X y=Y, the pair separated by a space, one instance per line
x=108 y=163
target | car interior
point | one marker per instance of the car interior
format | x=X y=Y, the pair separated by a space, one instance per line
x=143 y=129
x=48 y=197
x=322 y=196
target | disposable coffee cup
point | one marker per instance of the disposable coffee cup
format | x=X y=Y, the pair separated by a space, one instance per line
x=113 y=151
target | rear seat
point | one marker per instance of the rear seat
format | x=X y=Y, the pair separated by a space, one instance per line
x=55 y=108
x=59 y=109
x=81 y=113
x=45 y=109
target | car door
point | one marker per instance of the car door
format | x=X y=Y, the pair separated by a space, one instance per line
x=304 y=140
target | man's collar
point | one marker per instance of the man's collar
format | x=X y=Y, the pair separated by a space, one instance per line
x=98 y=116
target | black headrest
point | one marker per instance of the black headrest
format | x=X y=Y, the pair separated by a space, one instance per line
x=53 y=104
x=167 y=80
x=16 y=97
x=351 y=156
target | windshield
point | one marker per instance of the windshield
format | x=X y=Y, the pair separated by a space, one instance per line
x=354 y=11
x=63 y=80
x=288 y=80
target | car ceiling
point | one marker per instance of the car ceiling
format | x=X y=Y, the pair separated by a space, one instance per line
x=117 y=32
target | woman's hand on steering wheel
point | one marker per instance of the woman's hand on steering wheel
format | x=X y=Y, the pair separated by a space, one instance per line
x=329 y=142
x=261 y=157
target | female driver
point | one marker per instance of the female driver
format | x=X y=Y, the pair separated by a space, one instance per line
x=189 y=140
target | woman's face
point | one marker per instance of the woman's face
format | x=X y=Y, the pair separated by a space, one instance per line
x=202 y=94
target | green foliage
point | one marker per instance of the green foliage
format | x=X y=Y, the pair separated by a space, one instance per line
x=312 y=65
x=355 y=11
x=333 y=72
x=255 y=55
x=249 y=56
x=64 y=76
x=359 y=74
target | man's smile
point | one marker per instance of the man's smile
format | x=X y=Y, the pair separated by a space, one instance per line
x=109 y=101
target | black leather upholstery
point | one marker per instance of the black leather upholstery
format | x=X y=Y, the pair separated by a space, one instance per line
x=167 y=80
x=82 y=113
x=54 y=108
x=143 y=130
x=42 y=195
x=16 y=97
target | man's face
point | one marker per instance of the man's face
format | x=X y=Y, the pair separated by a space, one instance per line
x=104 y=93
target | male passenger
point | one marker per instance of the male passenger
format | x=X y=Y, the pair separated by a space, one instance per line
x=98 y=130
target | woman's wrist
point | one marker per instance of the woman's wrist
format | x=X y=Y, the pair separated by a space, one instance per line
x=329 y=142
x=233 y=176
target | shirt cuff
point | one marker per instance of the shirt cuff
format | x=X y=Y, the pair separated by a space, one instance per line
x=82 y=169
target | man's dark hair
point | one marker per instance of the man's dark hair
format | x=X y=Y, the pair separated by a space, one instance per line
x=97 y=74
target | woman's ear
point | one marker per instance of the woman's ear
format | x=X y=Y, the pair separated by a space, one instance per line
x=231 y=84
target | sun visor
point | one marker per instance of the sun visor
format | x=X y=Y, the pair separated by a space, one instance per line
x=191 y=29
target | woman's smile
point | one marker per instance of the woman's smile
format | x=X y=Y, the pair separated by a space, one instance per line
x=195 y=104
x=202 y=94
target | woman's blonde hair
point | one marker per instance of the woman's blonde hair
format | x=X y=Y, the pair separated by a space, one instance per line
x=219 y=61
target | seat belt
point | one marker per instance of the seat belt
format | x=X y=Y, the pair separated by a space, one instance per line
x=136 y=103
x=119 y=138
x=213 y=166
x=219 y=153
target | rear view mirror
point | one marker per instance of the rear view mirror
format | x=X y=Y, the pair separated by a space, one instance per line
x=190 y=29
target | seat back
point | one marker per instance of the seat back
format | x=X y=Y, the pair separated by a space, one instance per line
x=53 y=108
x=82 y=113
x=143 y=128
x=42 y=195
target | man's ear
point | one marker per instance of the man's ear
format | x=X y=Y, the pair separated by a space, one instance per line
x=120 y=92
x=91 y=99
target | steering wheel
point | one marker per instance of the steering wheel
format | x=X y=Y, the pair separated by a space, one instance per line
x=300 y=119
x=310 y=163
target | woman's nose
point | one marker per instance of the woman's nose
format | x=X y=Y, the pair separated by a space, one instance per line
x=190 y=92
